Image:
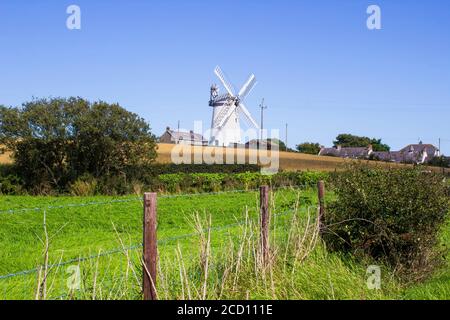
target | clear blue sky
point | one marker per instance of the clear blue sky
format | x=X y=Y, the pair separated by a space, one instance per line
x=319 y=68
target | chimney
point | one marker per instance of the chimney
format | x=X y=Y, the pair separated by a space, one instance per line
x=339 y=147
x=322 y=148
x=424 y=156
x=167 y=128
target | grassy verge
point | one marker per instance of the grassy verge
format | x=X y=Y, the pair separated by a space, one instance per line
x=224 y=263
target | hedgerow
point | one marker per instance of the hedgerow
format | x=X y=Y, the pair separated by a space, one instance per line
x=212 y=182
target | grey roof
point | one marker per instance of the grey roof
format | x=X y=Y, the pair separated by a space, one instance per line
x=257 y=142
x=384 y=155
x=398 y=156
x=353 y=152
x=329 y=152
x=419 y=148
x=413 y=153
x=186 y=136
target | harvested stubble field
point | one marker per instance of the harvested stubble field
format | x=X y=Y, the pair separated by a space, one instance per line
x=195 y=263
x=5 y=157
x=288 y=161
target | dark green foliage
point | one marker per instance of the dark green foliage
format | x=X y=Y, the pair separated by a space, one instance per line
x=281 y=145
x=56 y=141
x=443 y=162
x=394 y=216
x=157 y=169
x=173 y=179
x=10 y=182
x=10 y=185
x=348 y=140
x=207 y=182
x=309 y=148
x=202 y=182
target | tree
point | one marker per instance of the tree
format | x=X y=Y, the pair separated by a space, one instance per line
x=442 y=161
x=309 y=148
x=57 y=140
x=348 y=140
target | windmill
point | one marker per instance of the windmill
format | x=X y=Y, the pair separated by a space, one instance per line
x=227 y=110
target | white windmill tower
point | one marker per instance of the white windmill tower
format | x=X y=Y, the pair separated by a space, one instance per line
x=225 y=126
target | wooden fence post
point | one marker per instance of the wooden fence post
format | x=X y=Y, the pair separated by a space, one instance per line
x=265 y=216
x=321 y=191
x=150 y=247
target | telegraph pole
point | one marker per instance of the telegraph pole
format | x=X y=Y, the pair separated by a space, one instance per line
x=286 y=142
x=441 y=159
x=263 y=107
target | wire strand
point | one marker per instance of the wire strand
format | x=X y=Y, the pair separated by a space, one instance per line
x=94 y=203
x=137 y=246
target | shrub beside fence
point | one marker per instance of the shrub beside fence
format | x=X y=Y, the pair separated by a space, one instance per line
x=392 y=216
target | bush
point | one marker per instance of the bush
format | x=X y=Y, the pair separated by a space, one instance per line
x=157 y=168
x=10 y=185
x=10 y=182
x=84 y=187
x=171 y=182
x=115 y=185
x=207 y=182
x=55 y=141
x=311 y=178
x=248 y=180
x=213 y=182
x=393 y=216
x=135 y=179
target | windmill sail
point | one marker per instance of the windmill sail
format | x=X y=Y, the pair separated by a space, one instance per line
x=224 y=81
x=225 y=128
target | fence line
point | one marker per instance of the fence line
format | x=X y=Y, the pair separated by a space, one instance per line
x=151 y=255
x=138 y=246
x=139 y=199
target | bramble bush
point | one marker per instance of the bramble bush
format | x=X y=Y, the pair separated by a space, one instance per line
x=393 y=216
x=134 y=179
x=207 y=182
x=10 y=182
x=84 y=186
x=10 y=185
x=171 y=182
x=167 y=168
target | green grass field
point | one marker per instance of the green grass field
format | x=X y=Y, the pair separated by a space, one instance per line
x=102 y=236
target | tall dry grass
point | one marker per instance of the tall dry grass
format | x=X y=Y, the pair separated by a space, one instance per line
x=299 y=266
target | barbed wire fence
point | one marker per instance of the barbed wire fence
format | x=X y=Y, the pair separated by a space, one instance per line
x=26 y=281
